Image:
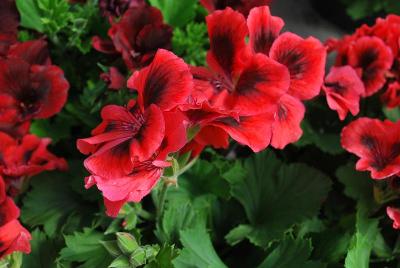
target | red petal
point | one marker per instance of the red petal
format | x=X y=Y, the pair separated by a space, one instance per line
x=227 y=31
x=103 y=45
x=392 y=95
x=150 y=135
x=167 y=82
x=263 y=29
x=114 y=79
x=288 y=116
x=113 y=160
x=57 y=89
x=253 y=131
x=8 y=212
x=214 y=136
x=305 y=59
x=130 y=188
x=262 y=82
x=113 y=207
x=394 y=214
x=193 y=147
x=33 y=52
x=175 y=133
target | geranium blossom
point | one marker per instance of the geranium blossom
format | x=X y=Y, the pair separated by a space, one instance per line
x=132 y=143
x=137 y=36
x=27 y=156
x=343 y=89
x=240 y=82
x=377 y=145
x=31 y=91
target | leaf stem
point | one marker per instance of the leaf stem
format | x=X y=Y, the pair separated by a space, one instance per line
x=161 y=200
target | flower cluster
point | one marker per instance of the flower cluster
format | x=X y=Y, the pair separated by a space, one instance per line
x=366 y=62
x=30 y=87
x=250 y=92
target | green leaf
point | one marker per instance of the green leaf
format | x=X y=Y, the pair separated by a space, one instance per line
x=358 y=185
x=176 y=13
x=331 y=245
x=181 y=214
x=291 y=253
x=43 y=251
x=393 y=114
x=164 y=257
x=86 y=248
x=198 y=250
x=57 y=129
x=359 y=9
x=30 y=15
x=392 y=6
x=204 y=178
x=191 y=44
x=381 y=248
x=50 y=202
x=363 y=241
x=275 y=197
x=326 y=142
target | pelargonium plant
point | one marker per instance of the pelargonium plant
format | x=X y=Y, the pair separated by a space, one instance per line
x=193 y=133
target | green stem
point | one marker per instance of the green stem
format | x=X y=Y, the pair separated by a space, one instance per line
x=161 y=200
x=163 y=192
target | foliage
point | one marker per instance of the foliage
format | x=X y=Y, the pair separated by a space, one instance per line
x=305 y=206
x=360 y=9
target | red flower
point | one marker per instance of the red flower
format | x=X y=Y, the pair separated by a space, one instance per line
x=305 y=59
x=27 y=157
x=130 y=146
x=372 y=59
x=343 y=89
x=115 y=8
x=394 y=214
x=31 y=91
x=242 y=82
x=137 y=36
x=287 y=119
x=13 y=237
x=143 y=176
x=386 y=29
x=114 y=79
x=376 y=143
x=243 y=6
x=391 y=97
x=263 y=29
